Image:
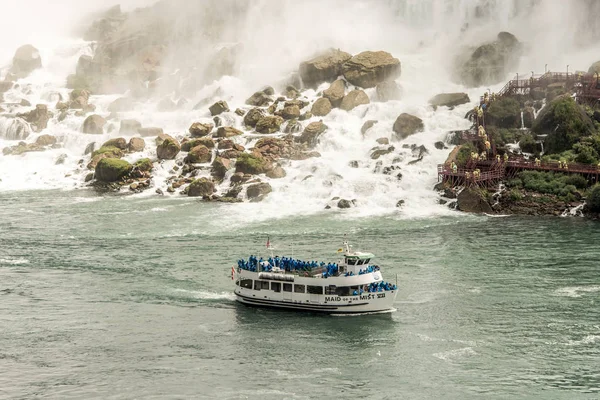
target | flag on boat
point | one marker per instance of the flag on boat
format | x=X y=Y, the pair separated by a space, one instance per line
x=232 y=273
x=268 y=242
x=340 y=250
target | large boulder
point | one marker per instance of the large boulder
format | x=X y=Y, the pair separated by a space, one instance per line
x=258 y=191
x=367 y=125
x=276 y=173
x=219 y=168
x=251 y=164
x=168 y=149
x=129 y=127
x=199 y=129
x=407 y=125
x=26 y=60
x=119 y=143
x=187 y=145
x=472 y=200
x=369 y=68
x=259 y=99
x=354 y=99
x=594 y=68
x=136 y=144
x=335 y=92
x=290 y=112
x=321 y=107
x=94 y=124
x=565 y=123
x=490 y=62
x=45 y=140
x=150 y=131
x=199 y=154
x=312 y=133
x=388 y=91
x=38 y=117
x=253 y=116
x=449 y=99
x=218 y=108
x=323 y=68
x=112 y=169
x=269 y=124
x=504 y=112
x=228 y=131
x=201 y=188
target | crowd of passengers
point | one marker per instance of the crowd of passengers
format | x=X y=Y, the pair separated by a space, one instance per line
x=376 y=287
x=287 y=264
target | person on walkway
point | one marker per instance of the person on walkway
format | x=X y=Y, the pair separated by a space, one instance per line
x=538 y=163
x=505 y=157
x=488 y=145
x=454 y=167
x=498 y=158
x=481 y=131
x=483 y=156
x=560 y=165
x=565 y=165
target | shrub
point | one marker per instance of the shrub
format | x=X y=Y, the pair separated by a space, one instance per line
x=515 y=195
x=577 y=180
x=593 y=200
x=464 y=154
x=528 y=144
x=504 y=113
x=586 y=154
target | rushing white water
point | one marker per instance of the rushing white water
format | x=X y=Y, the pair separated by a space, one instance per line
x=424 y=35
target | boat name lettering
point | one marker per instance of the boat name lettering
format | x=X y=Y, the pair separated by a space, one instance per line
x=370 y=296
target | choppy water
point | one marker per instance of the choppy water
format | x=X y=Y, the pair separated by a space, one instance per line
x=130 y=298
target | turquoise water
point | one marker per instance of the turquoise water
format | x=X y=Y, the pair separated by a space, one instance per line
x=124 y=297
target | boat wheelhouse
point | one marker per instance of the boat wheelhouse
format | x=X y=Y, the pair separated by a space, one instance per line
x=351 y=286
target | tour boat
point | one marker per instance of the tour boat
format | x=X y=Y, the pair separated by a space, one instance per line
x=351 y=286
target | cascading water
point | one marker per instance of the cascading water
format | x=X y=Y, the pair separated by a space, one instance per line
x=424 y=35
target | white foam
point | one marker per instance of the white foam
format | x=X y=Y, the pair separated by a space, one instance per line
x=14 y=261
x=576 y=291
x=454 y=354
x=206 y=295
x=589 y=339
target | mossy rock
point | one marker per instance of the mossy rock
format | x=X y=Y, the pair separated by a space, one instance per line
x=565 y=123
x=250 y=164
x=144 y=164
x=111 y=151
x=119 y=143
x=201 y=188
x=112 y=169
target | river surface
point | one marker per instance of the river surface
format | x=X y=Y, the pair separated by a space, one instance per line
x=125 y=297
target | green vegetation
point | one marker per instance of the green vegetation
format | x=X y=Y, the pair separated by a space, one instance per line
x=464 y=154
x=143 y=164
x=593 y=199
x=566 y=187
x=504 y=113
x=528 y=144
x=111 y=151
x=250 y=164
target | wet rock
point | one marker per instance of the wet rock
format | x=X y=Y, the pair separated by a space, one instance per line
x=312 y=133
x=168 y=149
x=89 y=177
x=26 y=60
x=136 y=144
x=201 y=188
x=292 y=126
x=240 y=112
x=367 y=125
x=383 y=141
x=323 y=68
x=400 y=203
x=291 y=112
x=46 y=140
x=472 y=200
x=150 y=131
x=440 y=145
x=5 y=86
x=253 y=116
x=407 y=125
x=259 y=99
x=129 y=127
x=38 y=117
x=381 y=152
x=143 y=165
x=388 y=91
x=321 y=107
x=354 y=99
x=369 y=68
x=258 y=191
x=199 y=154
x=94 y=124
x=199 y=129
x=119 y=143
x=343 y=203
x=528 y=117
x=187 y=145
x=268 y=90
x=218 y=108
x=112 y=169
x=335 y=92
x=449 y=100
x=291 y=92
x=269 y=124
x=227 y=132
x=594 y=68
x=276 y=173
x=122 y=104
x=251 y=164
x=159 y=192
x=89 y=149
x=24 y=103
x=219 y=168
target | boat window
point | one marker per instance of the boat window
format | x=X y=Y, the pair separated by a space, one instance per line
x=351 y=261
x=331 y=289
x=299 y=289
x=265 y=285
x=287 y=287
x=276 y=286
x=342 y=291
x=368 y=260
x=257 y=285
x=360 y=262
x=315 y=289
x=246 y=283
